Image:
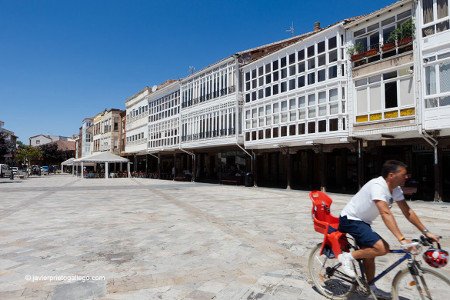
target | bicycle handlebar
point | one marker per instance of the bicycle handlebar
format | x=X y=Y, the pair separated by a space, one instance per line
x=424 y=241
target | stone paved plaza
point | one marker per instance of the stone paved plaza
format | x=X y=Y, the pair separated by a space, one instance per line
x=153 y=239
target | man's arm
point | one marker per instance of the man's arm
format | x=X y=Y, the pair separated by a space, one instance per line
x=388 y=219
x=411 y=216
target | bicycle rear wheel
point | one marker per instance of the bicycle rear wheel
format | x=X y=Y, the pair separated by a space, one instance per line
x=327 y=277
x=431 y=285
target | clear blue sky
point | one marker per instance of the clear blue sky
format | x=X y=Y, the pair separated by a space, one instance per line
x=62 y=61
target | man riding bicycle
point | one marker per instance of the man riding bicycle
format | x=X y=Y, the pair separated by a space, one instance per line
x=375 y=198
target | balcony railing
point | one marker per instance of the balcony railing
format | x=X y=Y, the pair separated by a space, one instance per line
x=378 y=52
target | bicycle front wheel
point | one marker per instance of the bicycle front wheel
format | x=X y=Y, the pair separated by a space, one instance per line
x=430 y=285
x=327 y=277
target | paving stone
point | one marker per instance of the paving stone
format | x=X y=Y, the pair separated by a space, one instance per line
x=154 y=239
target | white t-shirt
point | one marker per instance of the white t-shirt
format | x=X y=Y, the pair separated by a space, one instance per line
x=362 y=206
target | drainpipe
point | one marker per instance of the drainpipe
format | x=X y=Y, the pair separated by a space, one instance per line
x=193 y=162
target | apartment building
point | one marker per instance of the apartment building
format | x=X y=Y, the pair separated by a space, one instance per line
x=432 y=65
x=295 y=113
x=106 y=130
x=85 y=137
x=211 y=116
x=136 y=128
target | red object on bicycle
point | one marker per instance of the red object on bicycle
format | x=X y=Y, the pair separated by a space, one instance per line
x=327 y=224
x=437 y=258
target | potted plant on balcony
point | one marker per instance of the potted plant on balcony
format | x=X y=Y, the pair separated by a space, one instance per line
x=406 y=33
x=371 y=52
x=355 y=52
x=403 y=34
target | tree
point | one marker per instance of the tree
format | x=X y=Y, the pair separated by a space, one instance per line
x=6 y=146
x=29 y=154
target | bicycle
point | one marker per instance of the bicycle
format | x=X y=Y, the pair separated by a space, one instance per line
x=413 y=282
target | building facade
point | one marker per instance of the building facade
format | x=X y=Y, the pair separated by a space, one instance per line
x=85 y=137
x=295 y=112
x=432 y=63
x=105 y=130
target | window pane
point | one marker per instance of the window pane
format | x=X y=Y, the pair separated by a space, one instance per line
x=321 y=47
x=283 y=87
x=332 y=43
x=333 y=95
x=292 y=58
x=375 y=98
x=301 y=55
x=311 y=112
x=390 y=94
x=301 y=101
x=406 y=92
x=322 y=97
x=311 y=78
x=332 y=56
x=321 y=60
x=322 y=110
x=429 y=103
x=275 y=108
x=332 y=72
x=442 y=26
x=311 y=51
x=386 y=33
x=291 y=84
x=321 y=75
x=442 y=8
x=322 y=126
x=430 y=80
x=292 y=70
x=361 y=104
x=292 y=104
x=301 y=81
x=311 y=127
x=334 y=108
x=444 y=101
x=333 y=124
x=311 y=63
x=301 y=67
x=311 y=99
x=444 y=74
x=275 y=65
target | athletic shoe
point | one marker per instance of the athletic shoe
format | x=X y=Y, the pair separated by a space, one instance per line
x=346 y=259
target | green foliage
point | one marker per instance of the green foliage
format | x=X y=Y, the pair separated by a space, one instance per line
x=355 y=49
x=27 y=153
x=6 y=146
x=406 y=29
x=51 y=155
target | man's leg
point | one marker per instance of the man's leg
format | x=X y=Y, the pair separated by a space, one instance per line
x=369 y=267
x=368 y=254
x=380 y=248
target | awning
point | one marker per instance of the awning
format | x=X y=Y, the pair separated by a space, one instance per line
x=102 y=157
x=68 y=162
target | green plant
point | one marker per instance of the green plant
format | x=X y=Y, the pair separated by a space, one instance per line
x=355 y=49
x=405 y=30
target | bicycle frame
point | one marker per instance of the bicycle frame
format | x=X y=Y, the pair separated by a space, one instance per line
x=407 y=256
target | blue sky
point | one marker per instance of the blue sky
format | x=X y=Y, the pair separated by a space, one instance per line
x=62 y=61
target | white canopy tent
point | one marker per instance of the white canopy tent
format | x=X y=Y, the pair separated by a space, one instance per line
x=68 y=162
x=103 y=157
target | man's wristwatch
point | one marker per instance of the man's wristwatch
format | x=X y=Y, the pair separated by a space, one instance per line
x=425 y=231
